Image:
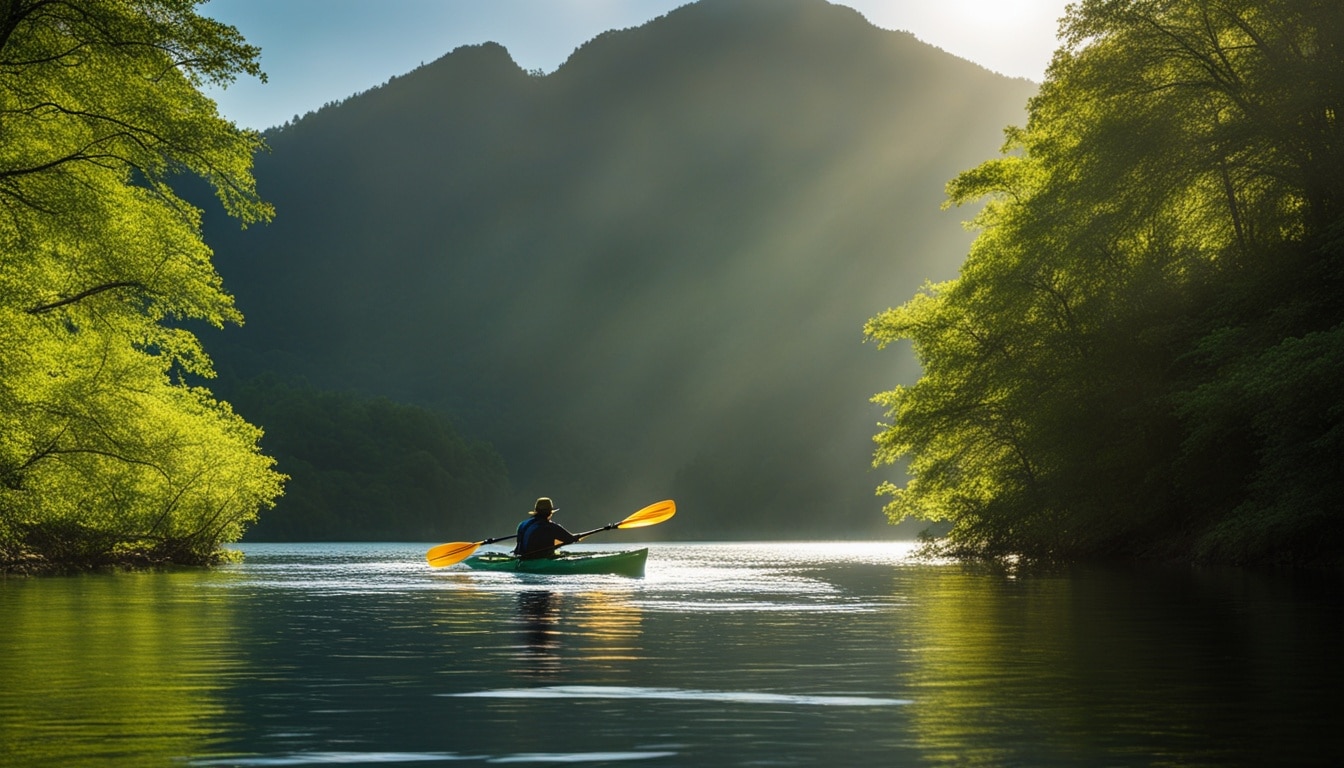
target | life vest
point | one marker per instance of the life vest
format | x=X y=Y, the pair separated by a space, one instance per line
x=527 y=534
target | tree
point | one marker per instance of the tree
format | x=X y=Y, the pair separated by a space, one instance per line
x=105 y=454
x=1162 y=235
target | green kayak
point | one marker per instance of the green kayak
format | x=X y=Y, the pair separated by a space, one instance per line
x=627 y=563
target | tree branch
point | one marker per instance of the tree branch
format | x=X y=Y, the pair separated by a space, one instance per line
x=86 y=294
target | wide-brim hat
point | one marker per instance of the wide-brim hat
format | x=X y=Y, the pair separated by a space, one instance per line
x=544 y=504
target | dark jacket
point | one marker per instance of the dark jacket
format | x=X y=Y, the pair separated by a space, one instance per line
x=537 y=537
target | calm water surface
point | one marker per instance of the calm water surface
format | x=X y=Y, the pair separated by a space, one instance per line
x=725 y=654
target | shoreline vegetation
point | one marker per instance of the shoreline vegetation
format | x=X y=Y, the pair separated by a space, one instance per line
x=30 y=563
x=1141 y=356
x=1139 y=359
x=107 y=455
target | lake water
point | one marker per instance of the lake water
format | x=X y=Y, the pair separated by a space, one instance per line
x=827 y=654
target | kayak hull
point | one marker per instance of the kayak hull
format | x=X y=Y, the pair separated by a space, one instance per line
x=626 y=563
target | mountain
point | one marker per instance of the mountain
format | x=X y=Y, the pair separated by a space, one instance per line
x=644 y=275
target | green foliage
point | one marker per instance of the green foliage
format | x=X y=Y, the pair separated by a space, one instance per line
x=103 y=457
x=369 y=469
x=1140 y=356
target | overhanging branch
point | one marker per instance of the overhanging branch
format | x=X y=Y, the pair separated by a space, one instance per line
x=84 y=295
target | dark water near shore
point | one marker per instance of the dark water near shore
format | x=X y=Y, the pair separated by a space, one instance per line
x=727 y=654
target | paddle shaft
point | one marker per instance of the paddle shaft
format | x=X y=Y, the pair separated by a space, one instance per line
x=586 y=534
x=583 y=535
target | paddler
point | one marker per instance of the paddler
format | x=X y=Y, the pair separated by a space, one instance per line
x=539 y=535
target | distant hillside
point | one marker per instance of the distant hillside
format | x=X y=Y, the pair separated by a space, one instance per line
x=642 y=276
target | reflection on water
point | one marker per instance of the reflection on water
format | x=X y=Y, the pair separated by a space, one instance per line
x=608 y=631
x=109 y=670
x=729 y=654
x=538 y=611
x=332 y=758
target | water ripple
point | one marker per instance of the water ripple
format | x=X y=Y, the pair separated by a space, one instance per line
x=331 y=758
x=728 y=605
x=579 y=757
x=678 y=694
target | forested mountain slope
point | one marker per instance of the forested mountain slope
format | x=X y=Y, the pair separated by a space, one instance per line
x=643 y=275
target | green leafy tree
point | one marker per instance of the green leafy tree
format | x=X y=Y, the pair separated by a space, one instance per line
x=105 y=455
x=1104 y=376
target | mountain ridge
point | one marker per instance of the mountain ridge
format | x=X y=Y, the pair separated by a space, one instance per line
x=636 y=282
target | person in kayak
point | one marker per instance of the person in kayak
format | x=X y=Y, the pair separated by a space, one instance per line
x=539 y=535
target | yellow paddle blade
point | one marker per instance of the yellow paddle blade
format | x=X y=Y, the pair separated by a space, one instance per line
x=455 y=552
x=650 y=515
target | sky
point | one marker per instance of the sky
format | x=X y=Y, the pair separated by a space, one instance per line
x=318 y=51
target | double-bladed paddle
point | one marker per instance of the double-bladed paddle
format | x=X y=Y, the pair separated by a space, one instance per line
x=457 y=551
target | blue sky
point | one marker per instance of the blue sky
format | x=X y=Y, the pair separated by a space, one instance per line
x=319 y=51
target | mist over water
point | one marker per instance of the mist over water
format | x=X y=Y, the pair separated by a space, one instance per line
x=799 y=654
